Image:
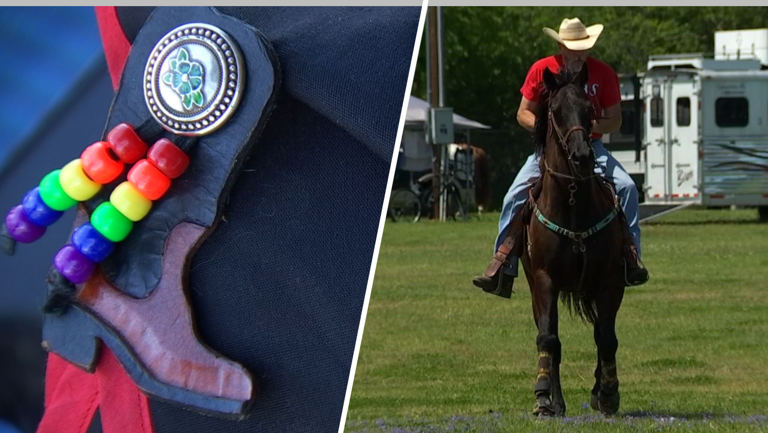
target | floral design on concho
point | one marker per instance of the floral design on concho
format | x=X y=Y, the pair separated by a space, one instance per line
x=186 y=78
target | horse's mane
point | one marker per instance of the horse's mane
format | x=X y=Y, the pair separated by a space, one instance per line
x=540 y=128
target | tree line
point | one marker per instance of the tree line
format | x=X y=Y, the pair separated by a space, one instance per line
x=488 y=51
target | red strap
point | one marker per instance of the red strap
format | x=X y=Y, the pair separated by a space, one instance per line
x=123 y=407
x=71 y=394
x=116 y=45
x=71 y=398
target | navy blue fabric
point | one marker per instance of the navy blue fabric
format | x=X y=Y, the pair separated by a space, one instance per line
x=348 y=64
x=280 y=284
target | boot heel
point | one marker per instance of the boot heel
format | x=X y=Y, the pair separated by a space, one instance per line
x=72 y=336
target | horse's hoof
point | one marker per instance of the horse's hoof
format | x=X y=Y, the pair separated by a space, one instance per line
x=608 y=405
x=543 y=408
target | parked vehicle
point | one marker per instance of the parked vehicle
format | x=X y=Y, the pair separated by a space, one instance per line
x=700 y=125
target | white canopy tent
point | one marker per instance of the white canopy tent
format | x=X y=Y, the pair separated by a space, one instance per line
x=418 y=110
x=415 y=153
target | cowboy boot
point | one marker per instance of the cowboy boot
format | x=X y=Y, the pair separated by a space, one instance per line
x=135 y=301
x=495 y=280
x=635 y=272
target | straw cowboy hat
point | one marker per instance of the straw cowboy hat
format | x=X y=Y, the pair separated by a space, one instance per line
x=574 y=35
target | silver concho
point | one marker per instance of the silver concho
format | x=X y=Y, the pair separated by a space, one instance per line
x=194 y=79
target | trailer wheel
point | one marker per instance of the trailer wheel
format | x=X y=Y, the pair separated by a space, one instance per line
x=763 y=212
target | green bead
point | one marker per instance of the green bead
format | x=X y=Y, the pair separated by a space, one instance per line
x=53 y=194
x=110 y=222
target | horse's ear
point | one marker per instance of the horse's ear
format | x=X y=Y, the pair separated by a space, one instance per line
x=582 y=77
x=550 y=82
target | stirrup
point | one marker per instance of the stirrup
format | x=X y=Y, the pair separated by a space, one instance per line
x=627 y=281
x=505 y=285
x=499 y=284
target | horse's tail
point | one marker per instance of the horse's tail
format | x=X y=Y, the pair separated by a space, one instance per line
x=580 y=303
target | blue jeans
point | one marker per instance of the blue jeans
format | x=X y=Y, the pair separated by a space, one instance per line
x=529 y=173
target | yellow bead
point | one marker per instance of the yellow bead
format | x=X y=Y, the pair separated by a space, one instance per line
x=129 y=201
x=76 y=183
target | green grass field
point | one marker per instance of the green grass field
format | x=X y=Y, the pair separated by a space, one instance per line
x=439 y=355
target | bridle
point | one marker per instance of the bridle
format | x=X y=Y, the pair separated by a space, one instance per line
x=563 y=141
x=575 y=176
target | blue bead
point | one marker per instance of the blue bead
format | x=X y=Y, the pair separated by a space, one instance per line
x=37 y=211
x=91 y=243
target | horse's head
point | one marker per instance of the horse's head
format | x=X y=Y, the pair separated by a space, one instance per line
x=565 y=120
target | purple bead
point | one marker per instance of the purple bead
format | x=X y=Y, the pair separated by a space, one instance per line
x=37 y=211
x=21 y=228
x=91 y=243
x=73 y=265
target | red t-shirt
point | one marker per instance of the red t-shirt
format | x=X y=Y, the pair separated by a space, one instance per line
x=602 y=86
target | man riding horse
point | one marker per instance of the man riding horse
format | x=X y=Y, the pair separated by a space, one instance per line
x=574 y=40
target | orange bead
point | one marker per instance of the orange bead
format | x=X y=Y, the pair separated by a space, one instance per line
x=150 y=181
x=100 y=163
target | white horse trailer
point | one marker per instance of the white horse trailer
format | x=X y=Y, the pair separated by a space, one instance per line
x=704 y=137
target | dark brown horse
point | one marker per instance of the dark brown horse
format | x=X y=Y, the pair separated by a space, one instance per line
x=573 y=248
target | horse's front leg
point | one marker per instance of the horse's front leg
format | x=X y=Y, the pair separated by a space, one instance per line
x=598 y=370
x=549 y=395
x=605 y=335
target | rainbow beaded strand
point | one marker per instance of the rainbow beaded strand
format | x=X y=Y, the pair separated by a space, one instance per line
x=148 y=180
x=79 y=180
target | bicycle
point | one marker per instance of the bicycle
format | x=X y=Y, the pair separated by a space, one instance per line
x=404 y=204
x=454 y=205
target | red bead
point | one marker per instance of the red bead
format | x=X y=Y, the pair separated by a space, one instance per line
x=126 y=143
x=168 y=158
x=100 y=163
x=150 y=181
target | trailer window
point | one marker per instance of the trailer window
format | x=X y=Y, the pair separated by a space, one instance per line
x=683 y=111
x=731 y=112
x=657 y=111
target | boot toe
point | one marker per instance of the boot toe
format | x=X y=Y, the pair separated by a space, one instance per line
x=485 y=283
